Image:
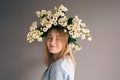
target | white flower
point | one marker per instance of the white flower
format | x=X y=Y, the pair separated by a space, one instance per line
x=43 y=21
x=83 y=25
x=41 y=33
x=55 y=18
x=37 y=36
x=63 y=8
x=72 y=45
x=88 y=31
x=34 y=23
x=62 y=21
x=61 y=14
x=32 y=28
x=73 y=36
x=55 y=23
x=45 y=29
x=55 y=9
x=33 y=36
x=40 y=39
x=43 y=12
x=83 y=36
x=51 y=21
x=29 y=34
x=48 y=25
x=31 y=40
x=70 y=32
x=76 y=20
x=76 y=17
x=69 y=27
x=74 y=27
x=78 y=28
x=76 y=34
x=76 y=48
x=49 y=12
x=90 y=38
x=38 y=13
x=84 y=30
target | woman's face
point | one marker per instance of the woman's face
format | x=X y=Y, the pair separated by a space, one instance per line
x=54 y=42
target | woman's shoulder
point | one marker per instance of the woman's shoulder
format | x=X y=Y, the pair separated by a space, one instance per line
x=63 y=67
x=64 y=63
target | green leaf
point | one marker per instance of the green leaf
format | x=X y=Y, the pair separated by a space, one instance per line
x=70 y=21
x=71 y=40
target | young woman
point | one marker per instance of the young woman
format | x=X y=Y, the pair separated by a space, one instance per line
x=57 y=56
x=59 y=31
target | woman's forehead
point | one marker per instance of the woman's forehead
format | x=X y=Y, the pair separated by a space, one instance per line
x=54 y=33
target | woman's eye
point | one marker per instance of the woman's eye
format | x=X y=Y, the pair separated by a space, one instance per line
x=58 y=38
x=50 y=38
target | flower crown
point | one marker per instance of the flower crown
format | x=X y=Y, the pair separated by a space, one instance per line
x=73 y=26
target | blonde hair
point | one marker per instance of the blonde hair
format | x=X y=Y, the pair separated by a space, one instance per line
x=48 y=57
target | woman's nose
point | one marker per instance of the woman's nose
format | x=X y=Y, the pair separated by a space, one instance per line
x=52 y=42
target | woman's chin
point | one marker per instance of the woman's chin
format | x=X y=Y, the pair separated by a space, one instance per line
x=53 y=51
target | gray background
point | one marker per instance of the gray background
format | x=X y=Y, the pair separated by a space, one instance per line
x=98 y=60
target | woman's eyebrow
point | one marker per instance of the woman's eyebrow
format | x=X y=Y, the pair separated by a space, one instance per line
x=49 y=35
x=58 y=35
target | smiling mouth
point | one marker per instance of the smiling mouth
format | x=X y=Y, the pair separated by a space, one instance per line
x=52 y=46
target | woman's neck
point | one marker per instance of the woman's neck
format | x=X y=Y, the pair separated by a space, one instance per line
x=55 y=56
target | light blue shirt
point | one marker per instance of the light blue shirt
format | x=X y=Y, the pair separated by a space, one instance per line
x=62 y=69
